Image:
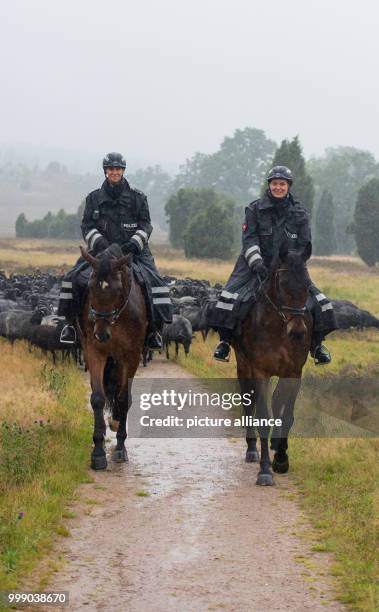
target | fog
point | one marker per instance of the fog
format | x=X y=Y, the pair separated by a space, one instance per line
x=160 y=80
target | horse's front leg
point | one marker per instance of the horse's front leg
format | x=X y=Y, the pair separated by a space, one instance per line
x=248 y=396
x=283 y=406
x=96 y=365
x=265 y=475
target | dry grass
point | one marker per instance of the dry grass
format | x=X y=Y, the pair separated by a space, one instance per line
x=23 y=398
x=44 y=449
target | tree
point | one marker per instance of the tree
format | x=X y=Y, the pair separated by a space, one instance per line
x=21 y=223
x=343 y=171
x=366 y=222
x=210 y=233
x=325 y=236
x=178 y=209
x=191 y=214
x=236 y=169
x=290 y=154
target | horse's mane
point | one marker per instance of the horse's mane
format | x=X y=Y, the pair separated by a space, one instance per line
x=104 y=270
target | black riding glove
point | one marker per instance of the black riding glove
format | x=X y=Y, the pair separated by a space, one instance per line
x=261 y=270
x=100 y=245
x=130 y=247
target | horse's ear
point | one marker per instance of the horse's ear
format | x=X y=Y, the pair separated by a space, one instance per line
x=283 y=251
x=307 y=252
x=91 y=260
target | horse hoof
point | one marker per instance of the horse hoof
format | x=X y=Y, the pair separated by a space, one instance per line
x=113 y=424
x=252 y=456
x=265 y=480
x=120 y=456
x=98 y=462
x=280 y=467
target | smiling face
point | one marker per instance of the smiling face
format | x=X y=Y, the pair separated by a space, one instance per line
x=279 y=188
x=114 y=175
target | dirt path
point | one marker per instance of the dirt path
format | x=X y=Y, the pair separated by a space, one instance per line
x=183 y=528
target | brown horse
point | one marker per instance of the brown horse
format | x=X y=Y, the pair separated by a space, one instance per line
x=112 y=332
x=275 y=340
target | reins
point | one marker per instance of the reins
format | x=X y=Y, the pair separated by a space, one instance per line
x=296 y=312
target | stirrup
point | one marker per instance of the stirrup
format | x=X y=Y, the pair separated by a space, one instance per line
x=66 y=328
x=324 y=356
x=154 y=341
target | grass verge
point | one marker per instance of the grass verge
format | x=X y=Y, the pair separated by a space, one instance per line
x=44 y=447
x=338 y=479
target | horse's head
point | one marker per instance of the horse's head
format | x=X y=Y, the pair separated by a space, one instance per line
x=108 y=289
x=290 y=283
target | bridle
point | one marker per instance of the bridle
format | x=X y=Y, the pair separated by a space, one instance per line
x=112 y=316
x=295 y=312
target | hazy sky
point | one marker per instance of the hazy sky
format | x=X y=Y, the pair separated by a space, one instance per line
x=161 y=79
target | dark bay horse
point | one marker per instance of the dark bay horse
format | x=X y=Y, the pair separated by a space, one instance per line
x=275 y=340
x=112 y=331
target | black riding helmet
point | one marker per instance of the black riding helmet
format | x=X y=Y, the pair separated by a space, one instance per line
x=114 y=160
x=280 y=172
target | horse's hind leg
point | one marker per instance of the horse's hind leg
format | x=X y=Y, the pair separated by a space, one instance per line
x=124 y=400
x=283 y=405
x=96 y=368
x=119 y=454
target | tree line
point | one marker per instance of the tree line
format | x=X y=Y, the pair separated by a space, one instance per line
x=203 y=204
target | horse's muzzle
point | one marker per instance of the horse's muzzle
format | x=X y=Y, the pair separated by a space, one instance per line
x=102 y=336
x=296 y=329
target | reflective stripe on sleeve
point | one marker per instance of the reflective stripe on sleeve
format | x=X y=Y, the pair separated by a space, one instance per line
x=253 y=258
x=138 y=240
x=253 y=249
x=328 y=306
x=65 y=296
x=66 y=285
x=90 y=233
x=143 y=235
x=161 y=301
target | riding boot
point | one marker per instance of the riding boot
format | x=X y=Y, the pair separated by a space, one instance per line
x=319 y=352
x=68 y=333
x=154 y=341
x=222 y=351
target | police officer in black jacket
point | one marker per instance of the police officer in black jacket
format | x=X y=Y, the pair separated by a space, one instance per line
x=116 y=213
x=275 y=217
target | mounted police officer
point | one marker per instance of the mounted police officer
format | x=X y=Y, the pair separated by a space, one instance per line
x=116 y=213
x=268 y=221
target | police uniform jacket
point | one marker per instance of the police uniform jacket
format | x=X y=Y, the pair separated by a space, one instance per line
x=117 y=214
x=268 y=223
